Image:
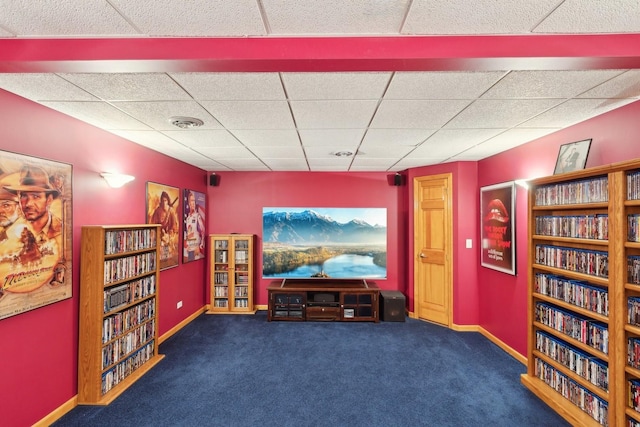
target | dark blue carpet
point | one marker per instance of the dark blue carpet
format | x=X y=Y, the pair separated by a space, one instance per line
x=237 y=370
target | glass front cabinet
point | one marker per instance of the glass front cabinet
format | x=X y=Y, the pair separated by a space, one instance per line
x=232 y=273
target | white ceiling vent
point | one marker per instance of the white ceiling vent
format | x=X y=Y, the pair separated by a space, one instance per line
x=185 y=122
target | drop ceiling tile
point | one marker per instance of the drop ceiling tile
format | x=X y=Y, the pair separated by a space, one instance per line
x=287 y=164
x=327 y=152
x=203 y=138
x=43 y=87
x=251 y=114
x=64 y=18
x=343 y=114
x=224 y=153
x=477 y=17
x=441 y=85
x=349 y=138
x=331 y=86
x=267 y=137
x=595 y=16
x=278 y=152
x=99 y=114
x=231 y=86
x=149 y=138
x=129 y=86
x=626 y=85
x=157 y=114
x=548 y=84
x=396 y=137
x=574 y=111
x=416 y=114
x=361 y=163
x=512 y=138
x=244 y=164
x=366 y=151
x=500 y=114
x=194 y=18
x=334 y=16
x=416 y=162
x=446 y=143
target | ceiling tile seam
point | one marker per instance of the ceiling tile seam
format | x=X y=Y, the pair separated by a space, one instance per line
x=375 y=111
x=125 y=17
x=403 y=22
x=264 y=17
x=60 y=76
x=293 y=118
x=544 y=18
x=600 y=84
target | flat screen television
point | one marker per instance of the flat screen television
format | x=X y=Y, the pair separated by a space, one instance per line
x=324 y=242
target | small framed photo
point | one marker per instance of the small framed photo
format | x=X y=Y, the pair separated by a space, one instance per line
x=572 y=156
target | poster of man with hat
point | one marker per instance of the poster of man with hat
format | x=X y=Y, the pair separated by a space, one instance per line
x=35 y=233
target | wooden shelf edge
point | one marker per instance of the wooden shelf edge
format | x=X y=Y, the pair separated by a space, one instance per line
x=567 y=410
x=231 y=312
x=125 y=384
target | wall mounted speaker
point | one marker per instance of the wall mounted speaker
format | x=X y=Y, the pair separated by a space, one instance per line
x=213 y=180
x=398 y=180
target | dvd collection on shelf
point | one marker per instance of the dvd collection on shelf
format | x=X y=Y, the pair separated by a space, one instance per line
x=592 y=190
x=231 y=273
x=576 y=226
x=584 y=294
x=120 y=241
x=118 y=309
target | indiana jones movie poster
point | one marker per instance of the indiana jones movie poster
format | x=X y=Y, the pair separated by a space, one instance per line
x=497 y=205
x=35 y=233
x=163 y=205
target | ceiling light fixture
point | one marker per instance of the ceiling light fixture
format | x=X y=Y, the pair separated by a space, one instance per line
x=343 y=154
x=185 y=122
x=116 y=180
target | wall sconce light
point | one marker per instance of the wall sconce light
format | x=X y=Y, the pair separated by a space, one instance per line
x=116 y=180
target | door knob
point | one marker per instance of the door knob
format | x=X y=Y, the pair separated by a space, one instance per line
x=422 y=255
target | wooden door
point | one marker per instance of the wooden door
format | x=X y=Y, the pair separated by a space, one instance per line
x=433 y=245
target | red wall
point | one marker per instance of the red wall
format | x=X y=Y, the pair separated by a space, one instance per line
x=235 y=206
x=502 y=297
x=39 y=348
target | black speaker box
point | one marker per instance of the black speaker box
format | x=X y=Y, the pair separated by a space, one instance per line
x=213 y=180
x=397 y=180
x=392 y=306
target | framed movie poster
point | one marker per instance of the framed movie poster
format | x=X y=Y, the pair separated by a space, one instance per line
x=497 y=225
x=572 y=156
x=35 y=233
x=194 y=235
x=163 y=203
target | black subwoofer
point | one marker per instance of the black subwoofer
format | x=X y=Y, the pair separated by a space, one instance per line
x=392 y=306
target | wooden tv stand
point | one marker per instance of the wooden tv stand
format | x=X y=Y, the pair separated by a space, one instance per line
x=323 y=299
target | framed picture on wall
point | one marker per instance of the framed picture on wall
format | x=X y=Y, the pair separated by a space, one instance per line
x=163 y=203
x=497 y=227
x=35 y=233
x=193 y=234
x=572 y=156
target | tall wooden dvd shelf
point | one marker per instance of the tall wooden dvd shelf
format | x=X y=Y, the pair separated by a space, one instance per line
x=231 y=264
x=584 y=294
x=118 y=339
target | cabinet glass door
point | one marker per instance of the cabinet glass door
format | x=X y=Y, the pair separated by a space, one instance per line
x=221 y=273
x=241 y=273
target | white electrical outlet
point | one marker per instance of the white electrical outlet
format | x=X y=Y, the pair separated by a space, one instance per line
x=179 y=305
x=469 y=244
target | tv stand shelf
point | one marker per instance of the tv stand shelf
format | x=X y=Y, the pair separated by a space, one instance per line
x=322 y=299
